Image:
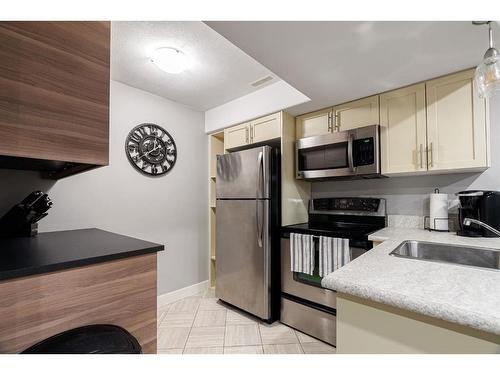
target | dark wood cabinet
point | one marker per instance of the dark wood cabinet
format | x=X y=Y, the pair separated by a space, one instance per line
x=120 y=292
x=54 y=96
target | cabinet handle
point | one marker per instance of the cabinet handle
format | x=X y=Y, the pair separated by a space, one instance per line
x=246 y=135
x=337 y=125
x=350 y=158
x=421 y=156
x=330 y=122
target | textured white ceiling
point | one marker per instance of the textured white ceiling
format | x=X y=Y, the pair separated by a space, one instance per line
x=334 y=62
x=220 y=71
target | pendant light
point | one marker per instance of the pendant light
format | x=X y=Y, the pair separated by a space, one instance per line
x=487 y=74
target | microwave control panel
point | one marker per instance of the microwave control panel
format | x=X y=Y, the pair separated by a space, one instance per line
x=363 y=151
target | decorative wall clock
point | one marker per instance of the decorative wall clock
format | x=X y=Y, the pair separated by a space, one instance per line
x=151 y=149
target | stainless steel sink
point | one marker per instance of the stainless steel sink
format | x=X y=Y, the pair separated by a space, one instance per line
x=456 y=254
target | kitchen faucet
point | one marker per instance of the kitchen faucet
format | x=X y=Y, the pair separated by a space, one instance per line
x=467 y=221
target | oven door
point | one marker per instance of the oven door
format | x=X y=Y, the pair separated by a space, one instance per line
x=308 y=287
x=349 y=153
x=304 y=286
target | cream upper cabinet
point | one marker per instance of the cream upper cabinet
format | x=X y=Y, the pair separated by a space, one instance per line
x=259 y=130
x=314 y=123
x=237 y=136
x=457 y=124
x=266 y=128
x=403 y=130
x=439 y=126
x=356 y=114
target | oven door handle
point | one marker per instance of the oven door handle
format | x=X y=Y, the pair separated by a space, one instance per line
x=350 y=157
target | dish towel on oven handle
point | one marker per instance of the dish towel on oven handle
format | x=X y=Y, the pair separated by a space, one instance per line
x=302 y=253
x=333 y=254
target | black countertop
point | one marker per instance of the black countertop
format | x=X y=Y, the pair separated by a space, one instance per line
x=53 y=251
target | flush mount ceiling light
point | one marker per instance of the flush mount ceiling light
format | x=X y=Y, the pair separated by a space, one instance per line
x=487 y=74
x=170 y=60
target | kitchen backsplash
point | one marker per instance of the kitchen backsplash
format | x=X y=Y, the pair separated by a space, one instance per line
x=409 y=196
x=419 y=222
x=405 y=221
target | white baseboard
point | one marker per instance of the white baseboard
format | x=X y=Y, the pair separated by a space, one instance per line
x=178 y=294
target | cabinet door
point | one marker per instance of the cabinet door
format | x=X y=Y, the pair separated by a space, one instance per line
x=237 y=136
x=314 y=123
x=356 y=114
x=456 y=124
x=54 y=91
x=403 y=130
x=266 y=128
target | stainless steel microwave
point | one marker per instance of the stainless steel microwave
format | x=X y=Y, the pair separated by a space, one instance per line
x=352 y=153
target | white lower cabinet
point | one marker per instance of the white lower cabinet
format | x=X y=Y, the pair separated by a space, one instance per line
x=367 y=327
x=403 y=130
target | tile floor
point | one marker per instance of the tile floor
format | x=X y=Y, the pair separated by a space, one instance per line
x=203 y=325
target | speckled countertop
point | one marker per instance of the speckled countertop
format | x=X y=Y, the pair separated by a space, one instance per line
x=460 y=294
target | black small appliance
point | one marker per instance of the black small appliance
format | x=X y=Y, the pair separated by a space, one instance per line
x=482 y=205
x=92 y=339
x=21 y=220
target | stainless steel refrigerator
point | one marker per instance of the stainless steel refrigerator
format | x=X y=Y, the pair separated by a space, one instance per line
x=247 y=203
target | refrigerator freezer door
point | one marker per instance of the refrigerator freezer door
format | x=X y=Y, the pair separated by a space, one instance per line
x=243 y=264
x=244 y=174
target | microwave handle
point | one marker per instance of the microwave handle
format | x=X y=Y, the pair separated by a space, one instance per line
x=350 y=158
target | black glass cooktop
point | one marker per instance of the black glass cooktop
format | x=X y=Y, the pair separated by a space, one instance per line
x=353 y=218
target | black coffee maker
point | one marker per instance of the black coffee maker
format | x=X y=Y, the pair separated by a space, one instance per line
x=482 y=205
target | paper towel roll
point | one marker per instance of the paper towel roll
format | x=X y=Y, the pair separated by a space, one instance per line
x=439 y=211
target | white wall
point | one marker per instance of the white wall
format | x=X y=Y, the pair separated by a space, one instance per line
x=171 y=209
x=410 y=195
x=269 y=99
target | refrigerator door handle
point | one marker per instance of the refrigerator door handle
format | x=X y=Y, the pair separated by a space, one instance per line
x=260 y=225
x=260 y=175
